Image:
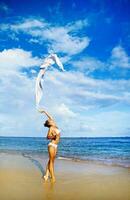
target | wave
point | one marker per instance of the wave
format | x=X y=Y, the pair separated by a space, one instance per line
x=110 y=162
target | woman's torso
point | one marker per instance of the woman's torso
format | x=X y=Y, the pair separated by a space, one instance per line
x=56 y=133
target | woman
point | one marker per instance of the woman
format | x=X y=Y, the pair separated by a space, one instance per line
x=53 y=135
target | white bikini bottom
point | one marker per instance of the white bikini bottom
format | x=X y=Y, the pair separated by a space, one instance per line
x=52 y=144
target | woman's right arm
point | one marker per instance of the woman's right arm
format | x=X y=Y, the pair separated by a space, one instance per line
x=46 y=113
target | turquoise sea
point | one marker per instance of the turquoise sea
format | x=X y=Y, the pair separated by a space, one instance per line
x=107 y=150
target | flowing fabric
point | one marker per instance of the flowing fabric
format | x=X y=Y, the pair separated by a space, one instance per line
x=50 y=60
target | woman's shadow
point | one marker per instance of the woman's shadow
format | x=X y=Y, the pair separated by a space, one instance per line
x=35 y=162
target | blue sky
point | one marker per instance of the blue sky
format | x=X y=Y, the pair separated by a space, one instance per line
x=92 y=38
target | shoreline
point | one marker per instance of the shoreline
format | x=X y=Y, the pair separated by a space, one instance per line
x=110 y=162
x=21 y=178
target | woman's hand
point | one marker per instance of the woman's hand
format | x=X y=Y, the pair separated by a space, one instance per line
x=47 y=114
x=52 y=137
x=40 y=110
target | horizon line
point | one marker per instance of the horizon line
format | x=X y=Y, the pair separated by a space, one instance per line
x=69 y=136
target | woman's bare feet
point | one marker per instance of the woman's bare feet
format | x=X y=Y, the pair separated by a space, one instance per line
x=45 y=177
x=53 y=180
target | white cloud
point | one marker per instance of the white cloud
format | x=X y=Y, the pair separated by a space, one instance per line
x=14 y=59
x=77 y=102
x=18 y=115
x=71 y=97
x=65 y=39
x=17 y=93
x=23 y=119
x=111 y=122
x=88 y=90
x=35 y=41
x=82 y=106
x=77 y=25
x=119 y=58
x=88 y=64
x=64 y=111
x=28 y=24
x=63 y=42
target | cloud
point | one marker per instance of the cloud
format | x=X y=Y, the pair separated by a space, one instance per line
x=64 y=111
x=63 y=42
x=112 y=122
x=77 y=25
x=28 y=25
x=88 y=64
x=82 y=89
x=18 y=115
x=89 y=104
x=69 y=96
x=15 y=59
x=60 y=39
x=119 y=58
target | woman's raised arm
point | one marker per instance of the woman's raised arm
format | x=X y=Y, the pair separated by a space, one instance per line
x=46 y=113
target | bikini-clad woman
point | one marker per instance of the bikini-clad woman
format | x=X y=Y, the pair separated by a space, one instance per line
x=53 y=135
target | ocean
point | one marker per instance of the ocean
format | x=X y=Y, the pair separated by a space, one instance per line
x=107 y=150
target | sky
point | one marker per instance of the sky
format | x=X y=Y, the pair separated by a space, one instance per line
x=92 y=38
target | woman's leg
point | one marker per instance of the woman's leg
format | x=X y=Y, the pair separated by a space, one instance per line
x=52 y=155
x=47 y=172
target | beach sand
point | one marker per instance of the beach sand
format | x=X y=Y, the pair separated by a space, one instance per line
x=21 y=179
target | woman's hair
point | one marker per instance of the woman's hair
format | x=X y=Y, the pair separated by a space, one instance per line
x=49 y=123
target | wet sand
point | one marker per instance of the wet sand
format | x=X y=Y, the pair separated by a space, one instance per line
x=21 y=179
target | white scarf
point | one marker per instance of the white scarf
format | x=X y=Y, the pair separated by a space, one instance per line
x=50 y=60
